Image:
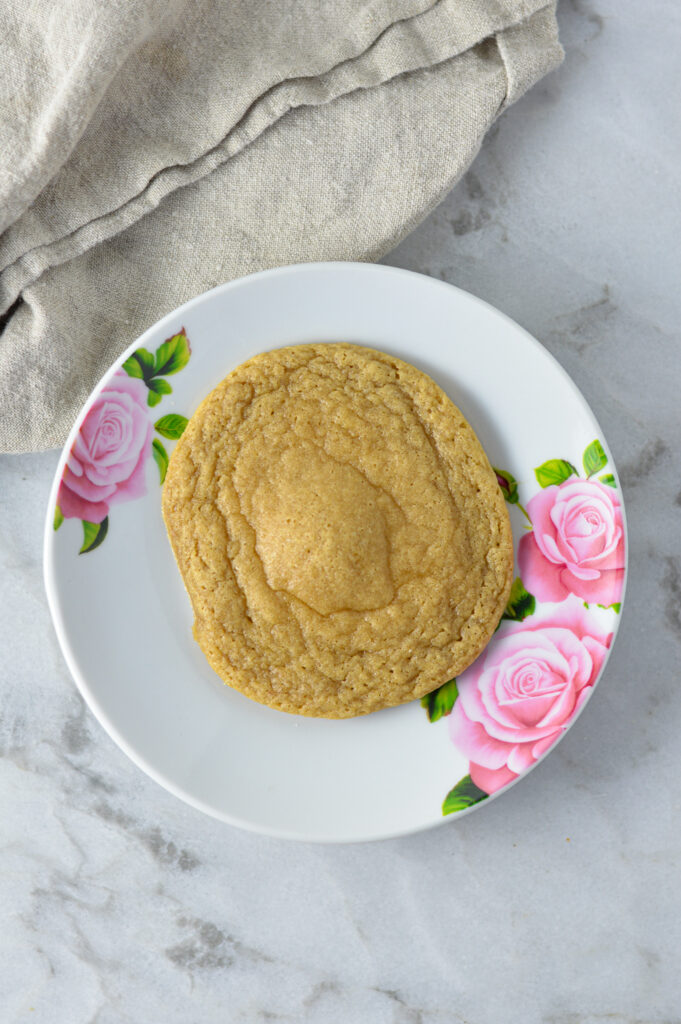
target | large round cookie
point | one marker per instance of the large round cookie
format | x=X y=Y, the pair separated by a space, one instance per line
x=339 y=529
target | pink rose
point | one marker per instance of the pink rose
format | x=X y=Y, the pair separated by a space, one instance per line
x=576 y=545
x=517 y=699
x=106 y=463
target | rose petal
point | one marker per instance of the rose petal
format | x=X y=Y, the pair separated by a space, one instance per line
x=84 y=488
x=612 y=558
x=594 y=545
x=520 y=758
x=540 y=576
x=548 y=546
x=81 y=448
x=598 y=652
x=104 y=476
x=577 y=656
x=473 y=741
x=532 y=714
x=539 y=509
x=511 y=642
x=584 y=514
x=541 y=746
x=72 y=506
x=605 y=590
x=561 y=709
x=490 y=780
x=581 y=700
x=582 y=573
x=74 y=465
x=135 y=486
x=543 y=510
x=582 y=518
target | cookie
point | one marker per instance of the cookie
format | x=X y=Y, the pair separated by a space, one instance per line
x=339 y=530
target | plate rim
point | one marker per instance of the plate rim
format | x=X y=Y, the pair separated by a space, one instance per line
x=139 y=760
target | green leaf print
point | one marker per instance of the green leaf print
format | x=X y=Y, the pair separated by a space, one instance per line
x=440 y=702
x=160 y=458
x=93 y=535
x=172 y=355
x=171 y=426
x=140 y=364
x=594 y=458
x=520 y=603
x=463 y=795
x=554 y=471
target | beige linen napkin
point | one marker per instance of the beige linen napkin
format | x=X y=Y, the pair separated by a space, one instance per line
x=150 y=149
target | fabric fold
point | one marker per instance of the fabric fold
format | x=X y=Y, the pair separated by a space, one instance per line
x=68 y=218
x=339 y=163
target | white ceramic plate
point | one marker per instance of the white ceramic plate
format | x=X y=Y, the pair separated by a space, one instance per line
x=124 y=621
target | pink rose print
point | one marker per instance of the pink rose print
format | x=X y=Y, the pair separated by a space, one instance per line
x=517 y=699
x=576 y=545
x=106 y=463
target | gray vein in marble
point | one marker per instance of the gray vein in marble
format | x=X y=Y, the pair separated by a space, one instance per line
x=208 y=946
x=404 y=1013
x=583 y=327
x=586 y=10
x=477 y=207
x=164 y=850
x=321 y=989
x=646 y=462
x=671 y=581
x=478 y=212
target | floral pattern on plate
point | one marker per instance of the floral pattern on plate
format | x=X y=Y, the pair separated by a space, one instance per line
x=107 y=461
x=518 y=698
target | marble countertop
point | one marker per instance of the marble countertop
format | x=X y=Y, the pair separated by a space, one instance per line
x=561 y=902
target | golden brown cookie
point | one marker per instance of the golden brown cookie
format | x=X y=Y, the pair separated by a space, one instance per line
x=339 y=529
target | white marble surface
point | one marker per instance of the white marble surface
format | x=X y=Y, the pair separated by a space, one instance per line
x=560 y=903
